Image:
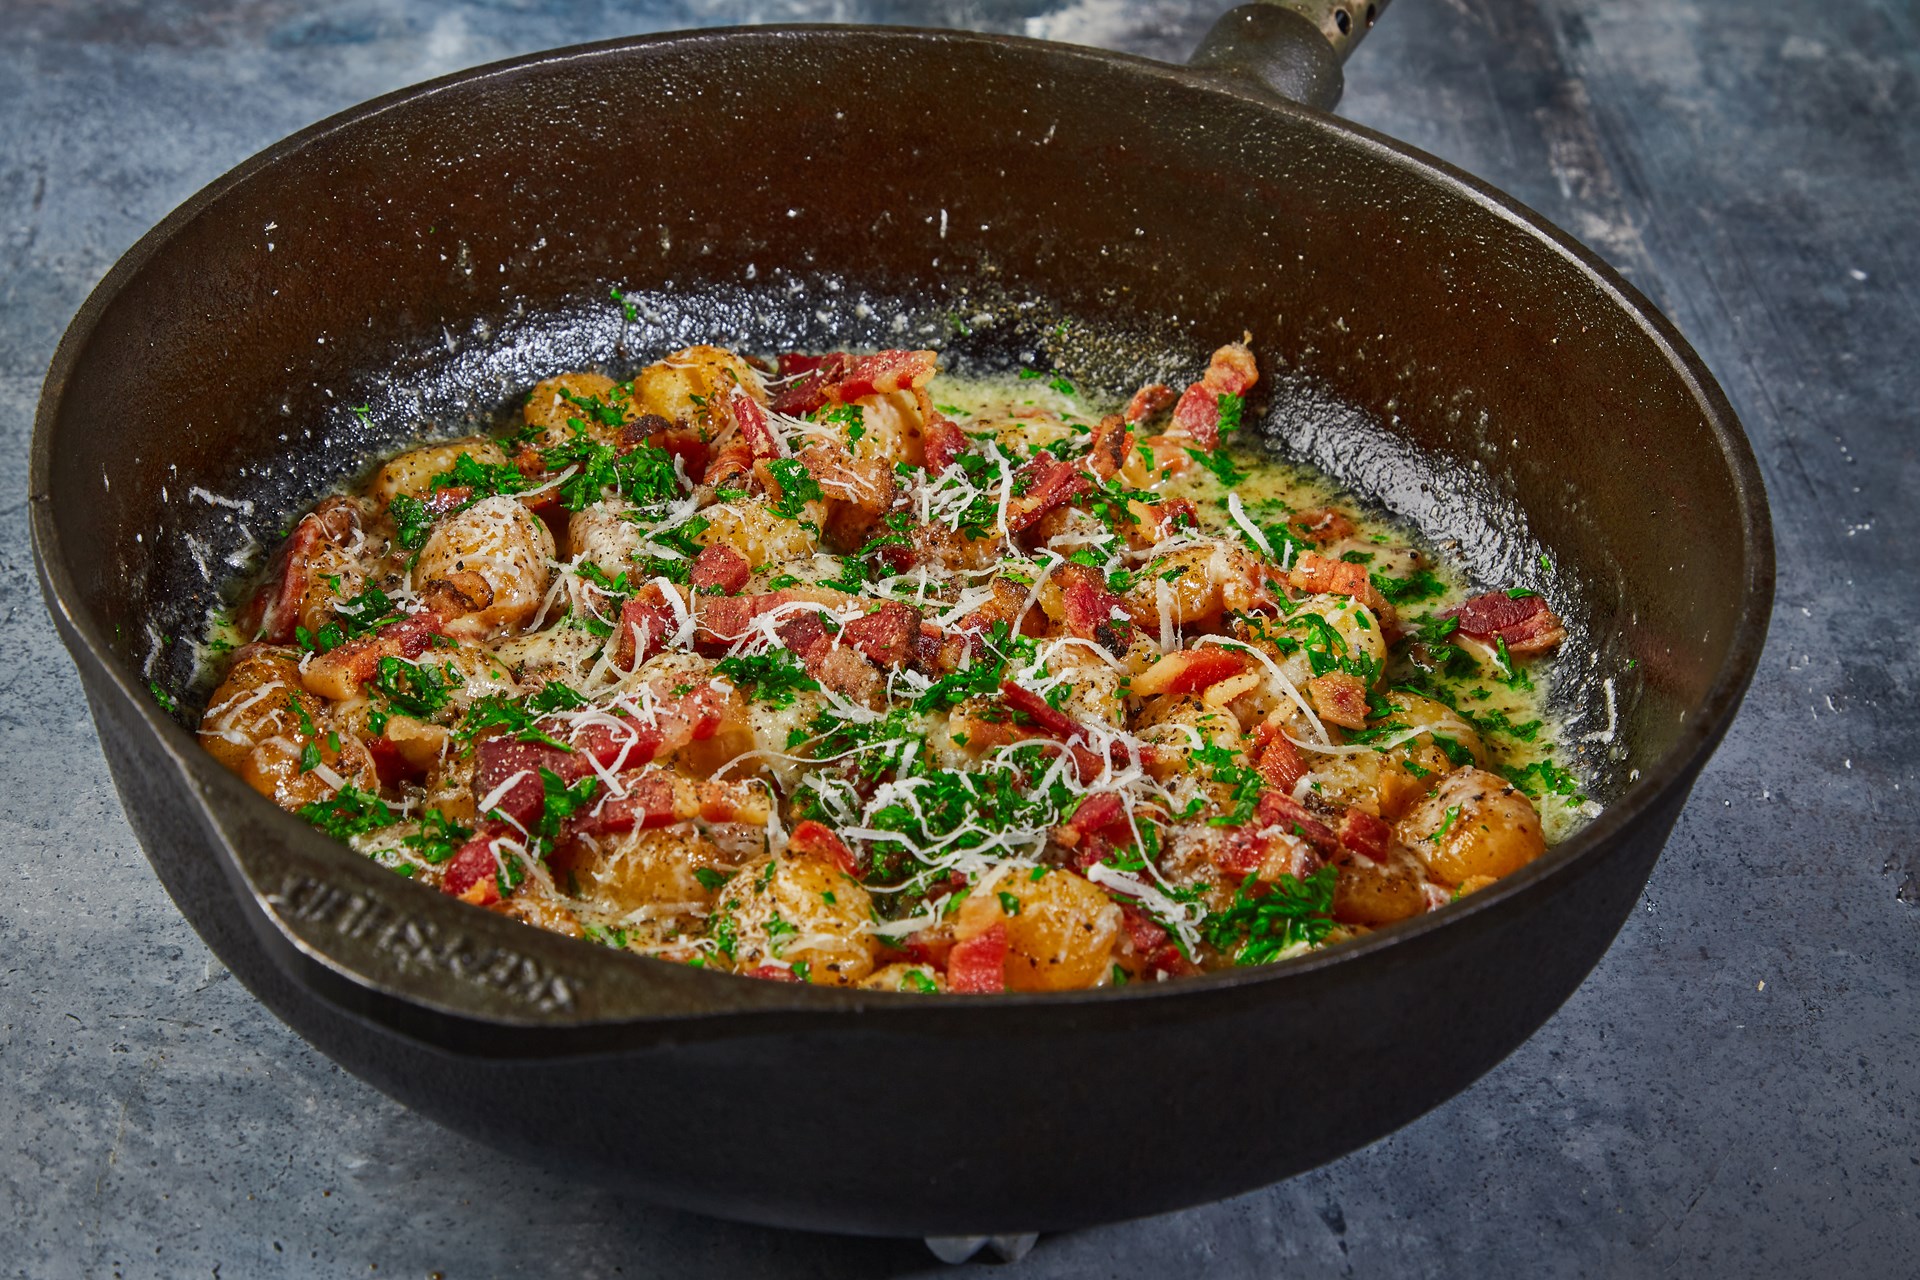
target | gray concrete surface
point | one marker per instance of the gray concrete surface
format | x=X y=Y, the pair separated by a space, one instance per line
x=1733 y=1092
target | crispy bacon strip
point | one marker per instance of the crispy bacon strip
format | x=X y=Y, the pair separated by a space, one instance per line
x=1103 y=813
x=1190 y=671
x=1093 y=612
x=889 y=637
x=1048 y=484
x=887 y=372
x=647 y=622
x=815 y=378
x=1365 y=834
x=1109 y=447
x=339 y=673
x=657 y=798
x=1280 y=763
x=1339 y=698
x=1290 y=815
x=719 y=568
x=754 y=427
x=274 y=612
x=816 y=840
x=471 y=873
x=727 y=620
x=1324 y=575
x=1526 y=624
x=944 y=441
x=1231 y=371
x=1149 y=402
x=1047 y=719
x=979 y=965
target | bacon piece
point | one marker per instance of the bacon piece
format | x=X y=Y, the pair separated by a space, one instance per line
x=1045 y=718
x=889 y=636
x=274 y=611
x=1340 y=699
x=1189 y=671
x=1322 y=524
x=1046 y=722
x=934 y=651
x=1240 y=851
x=979 y=964
x=1150 y=401
x=651 y=800
x=1101 y=814
x=1323 y=575
x=816 y=840
x=806 y=634
x=848 y=673
x=858 y=492
x=944 y=441
x=1142 y=931
x=514 y=765
x=439 y=502
x=774 y=973
x=339 y=673
x=1365 y=834
x=1246 y=849
x=1526 y=624
x=616 y=743
x=843 y=670
x=726 y=620
x=719 y=568
x=1231 y=371
x=472 y=874
x=1048 y=485
x=1170 y=961
x=1276 y=810
x=815 y=378
x=732 y=465
x=754 y=427
x=1092 y=611
x=646 y=626
x=1108 y=449
x=1280 y=764
x=887 y=372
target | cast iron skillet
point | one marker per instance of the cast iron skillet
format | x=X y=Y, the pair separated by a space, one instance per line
x=415 y=263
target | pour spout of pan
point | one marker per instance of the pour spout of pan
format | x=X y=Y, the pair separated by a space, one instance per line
x=1291 y=49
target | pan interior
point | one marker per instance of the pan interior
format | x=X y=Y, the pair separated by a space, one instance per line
x=412 y=272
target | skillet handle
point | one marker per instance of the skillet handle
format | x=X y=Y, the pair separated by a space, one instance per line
x=1288 y=48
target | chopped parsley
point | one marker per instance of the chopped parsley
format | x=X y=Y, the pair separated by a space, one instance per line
x=1220 y=464
x=1261 y=926
x=348 y=812
x=414 y=689
x=411 y=520
x=797 y=487
x=1420 y=586
x=1544 y=777
x=774 y=677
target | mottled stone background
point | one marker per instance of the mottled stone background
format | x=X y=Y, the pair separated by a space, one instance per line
x=1733 y=1092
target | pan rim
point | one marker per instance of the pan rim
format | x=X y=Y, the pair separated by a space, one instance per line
x=1673 y=773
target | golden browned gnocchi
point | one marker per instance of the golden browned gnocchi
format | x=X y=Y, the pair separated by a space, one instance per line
x=800 y=669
